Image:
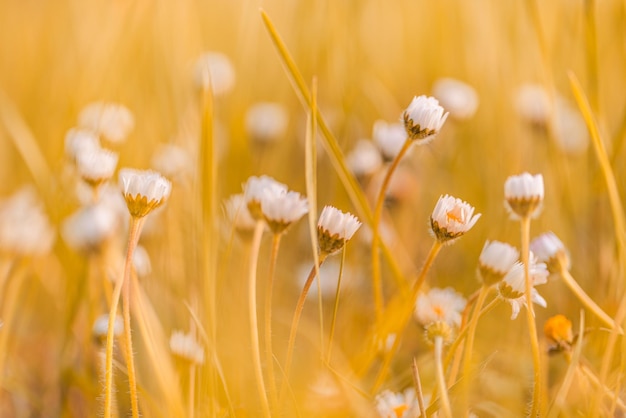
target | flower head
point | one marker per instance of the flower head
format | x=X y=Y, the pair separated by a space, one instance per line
x=458 y=97
x=172 y=161
x=512 y=288
x=214 y=69
x=452 y=218
x=143 y=190
x=364 y=159
x=90 y=226
x=281 y=208
x=24 y=226
x=255 y=188
x=439 y=305
x=495 y=261
x=78 y=141
x=558 y=329
x=266 y=122
x=334 y=229
x=389 y=137
x=549 y=249
x=397 y=405
x=423 y=118
x=533 y=104
x=101 y=326
x=238 y=214
x=111 y=120
x=185 y=346
x=523 y=195
x=95 y=166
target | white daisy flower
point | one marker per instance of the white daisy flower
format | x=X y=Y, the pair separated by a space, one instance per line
x=80 y=140
x=24 y=226
x=143 y=190
x=334 y=229
x=237 y=212
x=523 y=195
x=513 y=287
x=389 y=137
x=172 y=161
x=112 y=121
x=495 y=261
x=255 y=188
x=440 y=305
x=185 y=346
x=423 y=118
x=266 y=122
x=101 y=326
x=549 y=249
x=282 y=208
x=89 y=227
x=214 y=69
x=452 y=218
x=95 y=166
x=397 y=405
x=364 y=159
x=533 y=104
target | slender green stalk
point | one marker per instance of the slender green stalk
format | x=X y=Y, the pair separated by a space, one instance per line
x=536 y=405
x=441 y=380
x=254 y=330
x=133 y=237
x=587 y=301
x=336 y=307
x=405 y=315
x=269 y=352
x=294 y=324
x=378 y=211
x=469 y=343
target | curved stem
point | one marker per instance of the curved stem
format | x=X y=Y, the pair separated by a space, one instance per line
x=469 y=343
x=294 y=325
x=269 y=352
x=133 y=236
x=254 y=331
x=586 y=300
x=405 y=315
x=378 y=210
x=441 y=381
x=536 y=405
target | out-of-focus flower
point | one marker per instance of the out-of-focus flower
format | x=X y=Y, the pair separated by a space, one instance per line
x=185 y=346
x=329 y=274
x=550 y=250
x=389 y=137
x=237 y=212
x=78 y=141
x=255 y=188
x=533 y=104
x=459 y=98
x=89 y=227
x=512 y=288
x=438 y=305
x=558 y=329
x=523 y=195
x=452 y=218
x=266 y=122
x=214 y=69
x=143 y=190
x=495 y=261
x=95 y=166
x=397 y=404
x=570 y=131
x=282 y=208
x=423 y=119
x=172 y=161
x=112 y=121
x=364 y=159
x=24 y=226
x=334 y=229
x=101 y=326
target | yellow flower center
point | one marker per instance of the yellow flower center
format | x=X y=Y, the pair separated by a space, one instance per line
x=399 y=410
x=456 y=215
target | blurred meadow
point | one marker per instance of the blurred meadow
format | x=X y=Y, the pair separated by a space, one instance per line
x=361 y=62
